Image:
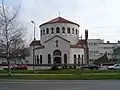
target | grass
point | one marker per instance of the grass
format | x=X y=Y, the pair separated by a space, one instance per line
x=61 y=77
x=61 y=71
x=62 y=74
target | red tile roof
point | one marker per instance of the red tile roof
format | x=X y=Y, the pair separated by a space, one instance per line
x=59 y=20
x=36 y=42
x=41 y=47
x=76 y=46
x=81 y=42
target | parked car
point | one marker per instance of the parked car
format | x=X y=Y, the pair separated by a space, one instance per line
x=90 y=66
x=16 y=67
x=114 y=67
x=21 y=67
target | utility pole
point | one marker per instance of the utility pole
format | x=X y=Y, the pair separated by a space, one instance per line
x=34 y=24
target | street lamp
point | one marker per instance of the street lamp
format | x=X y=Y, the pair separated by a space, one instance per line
x=33 y=44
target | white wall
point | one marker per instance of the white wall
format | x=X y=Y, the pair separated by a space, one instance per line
x=50 y=47
x=77 y=51
x=106 y=47
x=73 y=38
x=94 y=45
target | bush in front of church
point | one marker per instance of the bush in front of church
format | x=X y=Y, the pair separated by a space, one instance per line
x=54 y=68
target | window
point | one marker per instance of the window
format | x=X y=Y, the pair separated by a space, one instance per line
x=47 y=31
x=78 y=59
x=57 y=30
x=49 y=59
x=43 y=31
x=57 y=52
x=82 y=59
x=52 y=30
x=76 y=32
x=68 y=30
x=63 y=29
x=65 y=58
x=72 y=30
x=40 y=59
x=37 y=59
x=74 y=58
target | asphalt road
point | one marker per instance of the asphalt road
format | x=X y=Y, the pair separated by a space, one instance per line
x=61 y=85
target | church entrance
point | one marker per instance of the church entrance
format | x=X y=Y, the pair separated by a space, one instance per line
x=57 y=60
x=57 y=57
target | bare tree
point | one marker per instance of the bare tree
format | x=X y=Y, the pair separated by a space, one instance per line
x=10 y=31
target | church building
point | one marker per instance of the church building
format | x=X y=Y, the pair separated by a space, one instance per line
x=60 y=43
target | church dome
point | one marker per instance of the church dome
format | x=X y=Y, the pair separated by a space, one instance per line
x=59 y=20
x=61 y=27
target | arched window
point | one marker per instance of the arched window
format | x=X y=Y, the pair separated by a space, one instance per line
x=72 y=30
x=52 y=30
x=47 y=31
x=65 y=58
x=40 y=59
x=68 y=30
x=76 y=32
x=57 y=30
x=82 y=59
x=79 y=59
x=74 y=58
x=63 y=29
x=37 y=59
x=43 y=31
x=57 y=52
x=49 y=59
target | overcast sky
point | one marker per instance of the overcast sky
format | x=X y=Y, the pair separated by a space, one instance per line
x=100 y=17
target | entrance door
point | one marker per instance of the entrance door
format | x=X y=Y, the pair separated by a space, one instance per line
x=57 y=57
x=57 y=60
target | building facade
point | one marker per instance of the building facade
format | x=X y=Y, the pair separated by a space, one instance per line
x=59 y=44
x=97 y=48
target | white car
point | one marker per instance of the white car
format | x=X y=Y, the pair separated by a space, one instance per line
x=114 y=67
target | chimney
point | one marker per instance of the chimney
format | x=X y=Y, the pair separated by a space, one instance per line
x=118 y=41
x=86 y=53
x=86 y=34
x=108 y=41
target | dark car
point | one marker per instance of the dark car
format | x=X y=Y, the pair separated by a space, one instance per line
x=90 y=66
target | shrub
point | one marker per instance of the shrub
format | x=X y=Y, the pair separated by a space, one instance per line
x=55 y=68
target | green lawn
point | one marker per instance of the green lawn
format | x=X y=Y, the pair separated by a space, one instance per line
x=62 y=74
x=61 y=71
x=62 y=77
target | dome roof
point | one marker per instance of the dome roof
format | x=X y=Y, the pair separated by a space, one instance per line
x=59 y=20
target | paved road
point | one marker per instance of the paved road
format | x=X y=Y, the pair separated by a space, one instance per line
x=61 y=85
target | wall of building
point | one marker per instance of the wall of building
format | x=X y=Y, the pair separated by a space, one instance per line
x=73 y=38
x=76 y=51
x=50 y=47
x=106 y=48
x=94 y=45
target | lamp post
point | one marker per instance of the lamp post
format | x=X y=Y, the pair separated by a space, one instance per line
x=33 y=43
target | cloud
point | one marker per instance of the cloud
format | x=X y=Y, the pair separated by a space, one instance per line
x=100 y=17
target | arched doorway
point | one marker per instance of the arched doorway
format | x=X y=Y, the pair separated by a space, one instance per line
x=57 y=57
